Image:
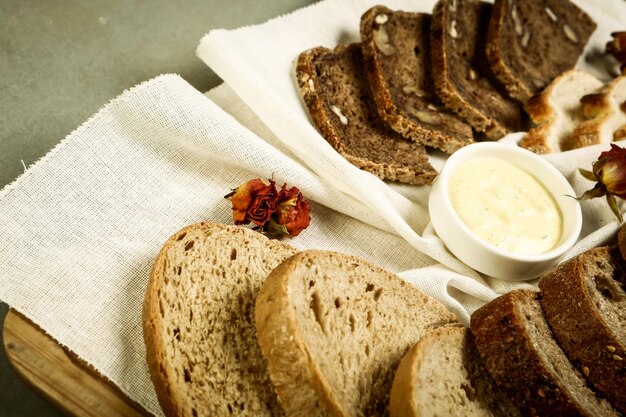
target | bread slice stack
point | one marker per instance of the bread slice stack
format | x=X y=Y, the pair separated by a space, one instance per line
x=417 y=82
x=334 y=327
x=561 y=351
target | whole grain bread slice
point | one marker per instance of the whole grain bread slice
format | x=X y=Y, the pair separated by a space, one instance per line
x=334 y=327
x=336 y=92
x=396 y=49
x=463 y=78
x=531 y=42
x=443 y=375
x=585 y=304
x=605 y=111
x=198 y=322
x=556 y=111
x=520 y=353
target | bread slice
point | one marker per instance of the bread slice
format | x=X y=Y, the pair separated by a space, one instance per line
x=336 y=91
x=585 y=304
x=519 y=351
x=396 y=49
x=334 y=327
x=531 y=42
x=463 y=78
x=556 y=111
x=605 y=113
x=442 y=375
x=198 y=322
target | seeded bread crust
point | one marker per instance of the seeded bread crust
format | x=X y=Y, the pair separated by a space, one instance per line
x=520 y=353
x=531 y=42
x=334 y=327
x=605 y=111
x=396 y=49
x=336 y=92
x=462 y=75
x=443 y=375
x=585 y=306
x=198 y=322
x=556 y=111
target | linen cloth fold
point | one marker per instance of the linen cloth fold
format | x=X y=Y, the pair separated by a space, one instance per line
x=82 y=226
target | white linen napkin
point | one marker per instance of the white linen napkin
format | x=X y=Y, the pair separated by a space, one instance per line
x=82 y=226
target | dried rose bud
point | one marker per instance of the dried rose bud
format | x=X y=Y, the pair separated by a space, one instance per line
x=609 y=172
x=254 y=201
x=292 y=212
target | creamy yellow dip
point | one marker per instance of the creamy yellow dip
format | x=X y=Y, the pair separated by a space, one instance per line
x=506 y=206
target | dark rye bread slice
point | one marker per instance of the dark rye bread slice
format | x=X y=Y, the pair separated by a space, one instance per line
x=531 y=42
x=443 y=375
x=585 y=304
x=520 y=353
x=334 y=327
x=396 y=49
x=463 y=78
x=336 y=91
x=198 y=322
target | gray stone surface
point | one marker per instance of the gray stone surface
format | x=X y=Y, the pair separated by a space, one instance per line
x=61 y=61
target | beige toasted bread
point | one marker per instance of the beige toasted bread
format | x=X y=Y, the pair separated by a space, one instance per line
x=585 y=304
x=443 y=376
x=556 y=111
x=198 y=322
x=605 y=115
x=334 y=327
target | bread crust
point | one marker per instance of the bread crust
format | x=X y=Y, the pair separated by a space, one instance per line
x=446 y=137
x=171 y=394
x=545 y=116
x=419 y=172
x=448 y=92
x=516 y=88
x=509 y=354
x=599 y=110
x=578 y=325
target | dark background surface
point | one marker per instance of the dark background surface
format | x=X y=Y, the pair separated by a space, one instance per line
x=60 y=61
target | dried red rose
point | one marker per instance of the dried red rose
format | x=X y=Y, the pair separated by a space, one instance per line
x=254 y=201
x=276 y=214
x=609 y=172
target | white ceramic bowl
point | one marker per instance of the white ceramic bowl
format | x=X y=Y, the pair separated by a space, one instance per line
x=478 y=253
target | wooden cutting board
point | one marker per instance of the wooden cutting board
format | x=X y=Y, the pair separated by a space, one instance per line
x=60 y=375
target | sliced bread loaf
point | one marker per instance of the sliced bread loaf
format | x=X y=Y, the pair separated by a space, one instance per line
x=462 y=75
x=585 y=306
x=520 y=352
x=396 y=49
x=556 y=111
x=531 y=42
x=605 y=113
x=335 y=89
x=198 y=322
x=442 y=375
x=334 y=327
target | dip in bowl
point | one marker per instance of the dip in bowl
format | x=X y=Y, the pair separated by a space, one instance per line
x=504 y=211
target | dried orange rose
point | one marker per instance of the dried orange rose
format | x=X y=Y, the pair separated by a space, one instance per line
x=292 y=212
x=276 y=214
x=609 y=172
x=254 y=201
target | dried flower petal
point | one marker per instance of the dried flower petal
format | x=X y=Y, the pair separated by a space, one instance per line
x=254 y=201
